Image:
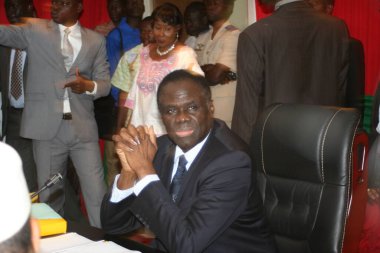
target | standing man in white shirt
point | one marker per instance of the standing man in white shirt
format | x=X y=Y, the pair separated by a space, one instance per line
x=216 y=50
x=196 y=22
x=67 y=70
x=12 y=86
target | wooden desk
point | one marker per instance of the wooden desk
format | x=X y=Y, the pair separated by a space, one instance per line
x=97 y=234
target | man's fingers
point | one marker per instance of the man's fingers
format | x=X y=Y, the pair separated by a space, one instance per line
x=152 y=136
x=127 y=138
x=77 y=72
x=69 y=85
x=141 y=133
x=132 y=131
x=123 y=159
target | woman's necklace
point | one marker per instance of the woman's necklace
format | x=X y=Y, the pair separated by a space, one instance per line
x=166 y=51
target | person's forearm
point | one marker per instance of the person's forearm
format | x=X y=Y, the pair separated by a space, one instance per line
x=126 y=180
x=145 y=169
x=215 y=73
x=121 y=118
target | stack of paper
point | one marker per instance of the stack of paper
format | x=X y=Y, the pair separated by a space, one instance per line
x=74 y=243
x=50 y=222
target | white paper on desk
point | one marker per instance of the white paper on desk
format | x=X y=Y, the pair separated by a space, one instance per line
x=74 y=243
x=61 y=242
x=99 y=247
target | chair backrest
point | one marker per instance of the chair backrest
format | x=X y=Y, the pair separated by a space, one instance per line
x=304 y=158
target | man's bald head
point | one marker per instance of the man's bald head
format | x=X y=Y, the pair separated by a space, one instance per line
x=325 y=6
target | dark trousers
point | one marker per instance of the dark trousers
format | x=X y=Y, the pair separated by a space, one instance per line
x=374 y=164
x=23 y=146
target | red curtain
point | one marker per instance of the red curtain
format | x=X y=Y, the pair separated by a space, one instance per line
x=363 y=20
x=95 y=12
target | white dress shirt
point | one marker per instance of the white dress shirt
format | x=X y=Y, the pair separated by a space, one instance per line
x=75 y=39
x=118 y=195
x=282 y=2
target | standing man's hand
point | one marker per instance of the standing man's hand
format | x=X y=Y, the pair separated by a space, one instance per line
x=80 y=84
x=216 y=73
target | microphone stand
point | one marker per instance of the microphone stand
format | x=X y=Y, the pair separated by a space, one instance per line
x=52 y=181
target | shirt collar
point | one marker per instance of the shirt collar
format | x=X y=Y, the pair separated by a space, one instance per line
x=282 y=2
x=123 y=23
x=192 y=153
x=73 y=28
x=225 y=24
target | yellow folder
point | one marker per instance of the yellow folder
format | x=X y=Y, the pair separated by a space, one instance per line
x=50 y=222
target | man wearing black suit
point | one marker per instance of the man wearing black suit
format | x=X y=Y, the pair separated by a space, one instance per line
x=194 y=187
x=295 y=55
x=356 y=71
x=13 y=104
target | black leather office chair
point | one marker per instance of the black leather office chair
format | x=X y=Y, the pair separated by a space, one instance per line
x=311 y=176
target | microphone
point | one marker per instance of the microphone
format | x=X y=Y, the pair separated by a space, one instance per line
x=52 y=181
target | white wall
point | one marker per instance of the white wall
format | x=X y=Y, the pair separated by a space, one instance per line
x=148 y=7
x=239 y=17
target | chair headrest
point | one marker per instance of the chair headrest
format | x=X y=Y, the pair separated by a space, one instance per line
x=306 y=138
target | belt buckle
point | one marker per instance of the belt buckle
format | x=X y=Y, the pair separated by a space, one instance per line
x=67 y=116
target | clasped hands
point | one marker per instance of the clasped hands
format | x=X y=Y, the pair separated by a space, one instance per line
x=136 y=148
x=80 y=84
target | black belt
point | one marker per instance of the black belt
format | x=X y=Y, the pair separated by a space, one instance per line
x=67 y=116
x=16 y=109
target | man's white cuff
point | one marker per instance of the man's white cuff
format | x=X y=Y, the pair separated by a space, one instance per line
x=118 y=195
x=140 y=185
x=93 y=92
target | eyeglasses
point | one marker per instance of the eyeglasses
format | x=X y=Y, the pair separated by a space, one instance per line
x=61 y=3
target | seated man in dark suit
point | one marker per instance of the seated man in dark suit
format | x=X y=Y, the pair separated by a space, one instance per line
x=194 y=187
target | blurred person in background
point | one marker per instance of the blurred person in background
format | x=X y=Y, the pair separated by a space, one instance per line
x=196 y=22
x=122 y=80
x=125 y=36
x=216 y=50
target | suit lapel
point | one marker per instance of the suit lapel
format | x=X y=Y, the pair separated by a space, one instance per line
x=56 y=44
x=83 y=50
x=5 y=71
x=25 y=72
x=168 y=162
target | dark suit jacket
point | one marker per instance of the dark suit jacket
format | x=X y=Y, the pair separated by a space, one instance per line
x=356 y=76
x=5 y=56
x=296 y=55
x=47 y=76
x=4 y=82
x=218 y=208
x=375 y=114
